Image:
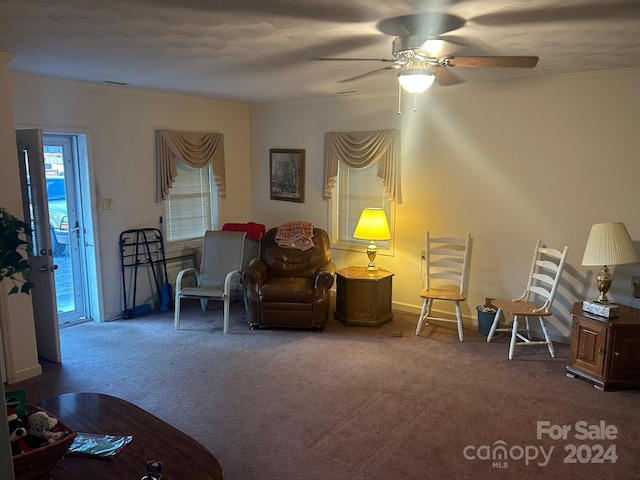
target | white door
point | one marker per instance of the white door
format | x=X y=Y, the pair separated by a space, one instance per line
x=65 y=225
x=34 y=194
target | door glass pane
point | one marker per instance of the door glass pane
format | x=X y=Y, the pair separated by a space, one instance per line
x=34 y=195
x=59 y=226
x=60 y=162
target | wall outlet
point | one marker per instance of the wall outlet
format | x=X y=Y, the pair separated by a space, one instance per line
x=635 y=280
x=422 y=254
x=107 y=204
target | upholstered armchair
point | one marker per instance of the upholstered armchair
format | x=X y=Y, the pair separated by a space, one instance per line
x=289 y=287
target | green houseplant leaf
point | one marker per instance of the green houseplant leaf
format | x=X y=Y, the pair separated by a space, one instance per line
x=13 y=247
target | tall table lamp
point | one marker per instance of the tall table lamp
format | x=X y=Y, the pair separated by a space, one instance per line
x=608 y=244
x=372 y=226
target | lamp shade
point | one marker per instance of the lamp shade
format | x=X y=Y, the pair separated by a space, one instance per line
x=609 y=244
x=416 y=80
x=372 y=225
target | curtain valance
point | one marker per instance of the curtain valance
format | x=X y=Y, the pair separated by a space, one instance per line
x=196 y=149
x=361 y=149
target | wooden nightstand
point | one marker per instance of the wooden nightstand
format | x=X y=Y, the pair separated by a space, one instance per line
x=606 y=351
x=363 y=299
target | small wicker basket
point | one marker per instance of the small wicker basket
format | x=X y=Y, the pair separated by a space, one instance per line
x=37 y=463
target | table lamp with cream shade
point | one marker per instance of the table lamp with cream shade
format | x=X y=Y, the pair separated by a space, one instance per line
x=372 y=226
x=608 y=244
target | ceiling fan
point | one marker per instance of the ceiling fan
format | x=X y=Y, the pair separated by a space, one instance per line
x=415 y=52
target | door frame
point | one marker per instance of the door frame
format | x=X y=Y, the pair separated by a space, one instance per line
x=85 y=180
x=72 y=257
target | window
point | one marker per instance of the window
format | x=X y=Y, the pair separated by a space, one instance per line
x=191 y=208
x=357 y=188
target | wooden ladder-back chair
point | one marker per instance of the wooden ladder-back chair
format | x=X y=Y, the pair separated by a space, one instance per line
x=219 y=274
x=447 y=262
x=544 y=277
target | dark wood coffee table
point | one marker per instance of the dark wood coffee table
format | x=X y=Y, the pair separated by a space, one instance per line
x=183 y=458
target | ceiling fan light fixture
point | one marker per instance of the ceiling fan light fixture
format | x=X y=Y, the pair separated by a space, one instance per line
x=416 y=80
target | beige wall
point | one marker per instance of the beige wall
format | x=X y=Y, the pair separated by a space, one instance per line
x=509 y=162
x=16 y=317
x=121 y=123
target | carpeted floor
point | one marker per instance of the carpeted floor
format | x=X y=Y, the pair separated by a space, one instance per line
x=352 y=403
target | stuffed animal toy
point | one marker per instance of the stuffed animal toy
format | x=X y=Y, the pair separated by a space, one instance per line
x=17 y=433
x=41 y=424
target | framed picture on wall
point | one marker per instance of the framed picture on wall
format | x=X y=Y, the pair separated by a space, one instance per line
x=286 y=174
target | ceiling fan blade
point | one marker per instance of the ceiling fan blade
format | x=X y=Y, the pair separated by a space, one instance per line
x=446 y=77
x=368 y=74
x=576 y=12
x=341 y=59
x=507 y=62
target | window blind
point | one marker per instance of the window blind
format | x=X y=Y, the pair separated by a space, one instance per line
x=359 y=188
x=188 y=207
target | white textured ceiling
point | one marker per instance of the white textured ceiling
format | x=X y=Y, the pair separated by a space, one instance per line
x=261 y=50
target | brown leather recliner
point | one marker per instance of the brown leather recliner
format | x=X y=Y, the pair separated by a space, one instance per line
x=288 y=287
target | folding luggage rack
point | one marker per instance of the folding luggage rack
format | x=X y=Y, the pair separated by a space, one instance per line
x=143 y=247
